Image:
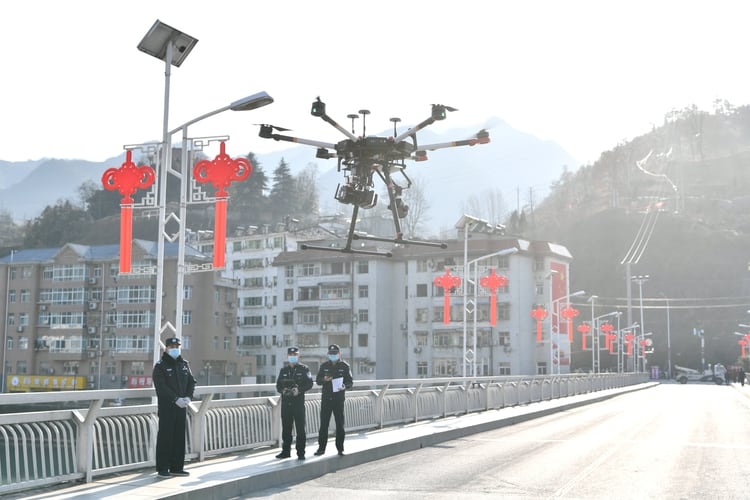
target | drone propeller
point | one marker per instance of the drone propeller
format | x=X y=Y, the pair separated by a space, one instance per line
x=438 y=111
x=272 y=127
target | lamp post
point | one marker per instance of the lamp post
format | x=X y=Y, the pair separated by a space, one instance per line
x=594 y=335
x=555 y=313
x=467 y=223
x=172 y=46
x=475 y=283
x=669 y=339
x=640 y=280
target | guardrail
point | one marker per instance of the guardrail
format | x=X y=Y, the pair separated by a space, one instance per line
x=90 y=438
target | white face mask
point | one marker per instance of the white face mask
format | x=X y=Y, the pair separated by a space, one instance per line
x=333 y=357
x=174 y=352
x=292 y=359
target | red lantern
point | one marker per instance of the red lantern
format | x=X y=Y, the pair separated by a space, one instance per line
x=493 y=282
x=742 y=343
x=221 y=172
x=629 y=341
x=127 y=179
x=539 y=313
x=584 y=328
x=569 y=313
x=607 y=329
x=447 y=282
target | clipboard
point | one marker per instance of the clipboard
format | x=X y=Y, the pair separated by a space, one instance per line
x=337 y=384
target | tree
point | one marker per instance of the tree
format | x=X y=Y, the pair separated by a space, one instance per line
x=99 y=202
x=307 y=191
x=488 y=205
x=248 y=200
x=59 y=224
x=11 y=234
x=418 y=204
x=283 y=197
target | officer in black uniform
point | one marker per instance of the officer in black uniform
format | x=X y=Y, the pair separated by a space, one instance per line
x=174 y=384
x=335 y=377
x=294 y=380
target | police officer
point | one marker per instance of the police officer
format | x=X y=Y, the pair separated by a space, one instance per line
x=174 y=384
x=335 y=377
x=294 y=380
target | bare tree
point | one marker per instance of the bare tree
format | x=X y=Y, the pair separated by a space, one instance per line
x=416 y=217
x=489 y=205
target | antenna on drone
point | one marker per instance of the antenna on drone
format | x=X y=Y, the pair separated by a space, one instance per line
x=395 y=121
x=364 y=113
x=353 y=117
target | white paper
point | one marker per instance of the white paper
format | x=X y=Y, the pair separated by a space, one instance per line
x=338 y=384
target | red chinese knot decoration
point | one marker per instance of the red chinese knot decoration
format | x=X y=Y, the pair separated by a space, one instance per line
x=743 y=344
x=584 y=328
x=127 y=179
x=629 y=341
x=607 y=329
x=447 y=282
x=539 y=313
x=493 y=282
x=221 y=172
x=569 y=313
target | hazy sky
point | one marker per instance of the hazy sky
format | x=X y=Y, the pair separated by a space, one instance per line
x=586 y=74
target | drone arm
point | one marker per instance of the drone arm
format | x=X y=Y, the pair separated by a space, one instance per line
x=338 y=127
x=287 y=138
x=481 y=137
x=429 y=121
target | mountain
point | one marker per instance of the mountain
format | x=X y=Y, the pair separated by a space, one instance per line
x=513 y=160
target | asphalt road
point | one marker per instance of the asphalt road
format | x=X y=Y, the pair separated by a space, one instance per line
x=668 y=442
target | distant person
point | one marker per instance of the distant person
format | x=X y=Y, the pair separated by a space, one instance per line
x=174 y=384
x=741 y=376
x=335 y=377
x=294 y=380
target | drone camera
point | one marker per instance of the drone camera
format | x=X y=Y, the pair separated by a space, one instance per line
x=420 y=155
x=318 y=108
x=362 y=198
x=323 y=154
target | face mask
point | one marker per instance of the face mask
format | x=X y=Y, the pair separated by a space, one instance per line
x=292 y=359
x=174 y=352
x=333 y=357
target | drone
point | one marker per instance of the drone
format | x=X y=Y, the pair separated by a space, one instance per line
x=364 y=157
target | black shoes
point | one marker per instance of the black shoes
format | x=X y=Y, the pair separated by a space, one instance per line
x=180 y=473
x=284 y=454
x=341 y=453
x=319 y=452
x=300 y=457
x=164 y=473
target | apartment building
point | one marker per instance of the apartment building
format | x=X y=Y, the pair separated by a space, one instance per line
x=72 y=321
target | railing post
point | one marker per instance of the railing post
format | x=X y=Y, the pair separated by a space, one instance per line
x=85 y=450
x=416 y=402
x=381 y=406
x=199 y=427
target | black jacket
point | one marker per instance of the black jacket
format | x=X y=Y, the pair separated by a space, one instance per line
x=290 y=376
x=172 y=380
x=336 y=370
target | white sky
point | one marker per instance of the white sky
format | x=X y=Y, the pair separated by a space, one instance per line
x=586 y=74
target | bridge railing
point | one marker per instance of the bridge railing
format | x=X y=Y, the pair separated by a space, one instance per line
x=94 y=433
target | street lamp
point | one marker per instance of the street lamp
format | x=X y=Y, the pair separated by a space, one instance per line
x=467 y=223
x=555 y=316
x=640 y=280
x=173 y=46
x=594 y=334
x=669 y=339
x=475 y=283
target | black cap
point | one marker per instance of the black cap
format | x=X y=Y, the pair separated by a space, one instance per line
x=172 y=341
x=293 y=350
x=333 y=349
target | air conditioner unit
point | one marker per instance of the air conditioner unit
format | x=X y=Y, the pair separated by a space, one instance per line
x=279 y=344
x=92 y=354
x=92 y=330
x=20 y=329
x=43 y=307
x=106 y=329
x=93 y=305
x=404 y=326
x=324 y=327
x=417 y=350
x=92 y=281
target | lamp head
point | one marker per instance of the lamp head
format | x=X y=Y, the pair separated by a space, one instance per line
x=254 y=101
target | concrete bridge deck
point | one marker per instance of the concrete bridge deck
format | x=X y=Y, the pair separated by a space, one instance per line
x=233 y=476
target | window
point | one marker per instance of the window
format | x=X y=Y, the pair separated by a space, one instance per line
x=252 y=341
x=187 y=317
x=362 y=340
x=227 y=343
x=110 y=368
x=288 y=294
x=503 y=368
x=444 y=367
x=363 y=316
x=539 y=288
x=26 y=272
x=541 y=368
x=363 y=291
x=21 y=367
x=287 y=318
x=420 y=338
x=422 y=290
x=187 y=292
x=363 y=267
x=252 y=301
x=252 y=321
x=422 y=369
x=12 y=296
x=137 y=368
x=25 y=296
x=309 y=316
x=9 y=343
x=503 y=339
x=421 y=315
x=503 y=311
x=309 y=270
x=23 y=343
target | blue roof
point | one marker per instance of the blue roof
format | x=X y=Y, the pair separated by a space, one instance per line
x=97 y=252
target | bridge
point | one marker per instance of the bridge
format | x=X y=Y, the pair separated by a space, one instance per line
x=102 y=446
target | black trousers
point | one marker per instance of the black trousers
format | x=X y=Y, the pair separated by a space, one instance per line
x=328 y=406
x=170 y=439
x=293 y=414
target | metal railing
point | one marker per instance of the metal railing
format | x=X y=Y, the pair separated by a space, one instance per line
x=96 y=434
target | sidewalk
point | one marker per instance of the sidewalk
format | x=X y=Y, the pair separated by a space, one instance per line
x=240 y=474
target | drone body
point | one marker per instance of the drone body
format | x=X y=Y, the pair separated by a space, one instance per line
x=360 y=158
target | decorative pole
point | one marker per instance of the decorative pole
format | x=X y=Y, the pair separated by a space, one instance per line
x=221 y=172
x=569 y=313
x=126 y=180
x=447 y=282
x=584 y=328
x=742 y=343
x=493 y=282
x=539 y=313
